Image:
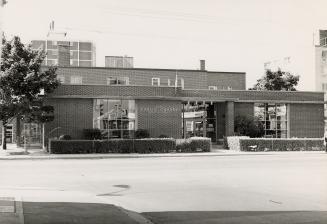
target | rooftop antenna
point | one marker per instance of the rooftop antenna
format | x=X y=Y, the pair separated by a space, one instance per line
x=52 y=31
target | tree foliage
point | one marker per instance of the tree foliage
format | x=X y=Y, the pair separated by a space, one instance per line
x=248 y=126
x=23 y=82
x=278 y=80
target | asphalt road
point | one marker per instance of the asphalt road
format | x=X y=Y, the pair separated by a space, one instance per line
x=279 y=182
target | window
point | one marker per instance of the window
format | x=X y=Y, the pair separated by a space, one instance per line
x=156 y=81
x=168 y=82
x=324 y=55
x=273 y=117
x=182 y=83
x=213 y=88
x=76 y=80
x=118 y=81
x=61 y=78
x=52 y=62
x=324 y=69
x=114 y=118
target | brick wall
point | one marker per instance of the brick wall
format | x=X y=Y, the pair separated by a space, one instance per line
x=226 y=79
x=64 y=55
x=72 y=116
x=306 y=120
x=193 y=79
x=150 y=91
x=160 y=117
x=250 y=95
x=98 y=76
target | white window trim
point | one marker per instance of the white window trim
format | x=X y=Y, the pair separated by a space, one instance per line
x=125 y=78
x=75 y=78
x=168 y=82
x=109 y=79
x=158 y=80
x=213 y=88
x=182 y=83
x=61 y=78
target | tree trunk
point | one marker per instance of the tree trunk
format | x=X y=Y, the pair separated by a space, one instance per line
x=18 y=132
x=3 y=139
x=43 y=137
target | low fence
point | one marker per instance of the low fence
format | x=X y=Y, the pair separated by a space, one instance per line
x=147 y=145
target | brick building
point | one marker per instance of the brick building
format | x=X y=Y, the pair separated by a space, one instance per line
x=175 y=103
x=67 y=53
x=321 y=66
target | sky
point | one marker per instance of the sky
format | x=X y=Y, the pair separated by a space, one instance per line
x=231 y=35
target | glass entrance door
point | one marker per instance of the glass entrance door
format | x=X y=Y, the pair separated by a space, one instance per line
x=199 y=119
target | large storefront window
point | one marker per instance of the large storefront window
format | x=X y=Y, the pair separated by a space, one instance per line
x=273 y=117
x=115 y=118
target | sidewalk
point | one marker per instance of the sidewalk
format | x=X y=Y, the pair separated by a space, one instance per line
x=21 y=212
x=14 y=153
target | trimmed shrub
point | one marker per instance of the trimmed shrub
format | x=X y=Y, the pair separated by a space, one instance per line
x=153 y=145
x=280 y=144
x=248 y=126
x=163 y=136
x=113 y=146
x=91 y=134
x=194 y=144
x=65 y=137
x=142 y=133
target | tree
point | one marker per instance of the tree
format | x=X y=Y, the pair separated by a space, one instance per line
x=278 y=80
x=248 y=126
x=22 y=82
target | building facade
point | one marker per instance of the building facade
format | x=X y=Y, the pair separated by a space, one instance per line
x=119 y=61
x=321 y=66
x=67 y=53
x=176 y=103
x=173 y=103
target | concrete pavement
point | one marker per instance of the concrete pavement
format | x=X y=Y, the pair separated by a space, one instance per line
x=237 y=217
x=285 y=181
x=66 y=212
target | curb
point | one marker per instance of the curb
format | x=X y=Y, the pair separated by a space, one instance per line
x=129 y=156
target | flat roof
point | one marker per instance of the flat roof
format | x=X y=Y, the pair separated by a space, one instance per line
x=156 y=69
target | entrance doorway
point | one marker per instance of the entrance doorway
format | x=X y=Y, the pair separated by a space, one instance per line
x=199 y=120
x=31 y=134
x=9 y=133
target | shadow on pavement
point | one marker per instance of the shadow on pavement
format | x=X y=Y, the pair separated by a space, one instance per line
x=67 y=212
x=238 y=217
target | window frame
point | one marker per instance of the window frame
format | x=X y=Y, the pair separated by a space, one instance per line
x=76 y=77
x=158 y=81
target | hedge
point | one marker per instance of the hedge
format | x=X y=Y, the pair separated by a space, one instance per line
x=112 y=146
x=194 y=144
x=275 y=144
x=149 y=145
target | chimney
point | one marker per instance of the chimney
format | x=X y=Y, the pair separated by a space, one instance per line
x=202 y=65
x=63 y=53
